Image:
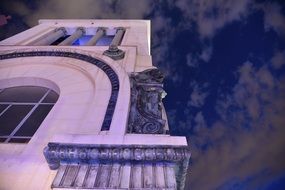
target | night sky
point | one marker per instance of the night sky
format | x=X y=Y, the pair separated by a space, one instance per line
x=224 y=62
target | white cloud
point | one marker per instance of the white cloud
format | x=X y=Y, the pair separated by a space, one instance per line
x=84 y=9
x=273 y=18
x=253 y=86
x=265 y=77
x=211 y=16
x=197 y=97
x=206 y=53
x=200 y=122
x=193 y=60
x=249 y=137
x=278 y=60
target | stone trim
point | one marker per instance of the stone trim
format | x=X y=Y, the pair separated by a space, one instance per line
x=55 y=153
x=113 y=77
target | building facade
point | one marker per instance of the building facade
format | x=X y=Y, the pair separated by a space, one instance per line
x=81 y=108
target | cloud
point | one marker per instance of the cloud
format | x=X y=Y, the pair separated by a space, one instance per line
x=206 y=54
x=200 y=122
x=85 y=9
x=273 y=18
x=197 y=97
x=163 y=36
x=278 y=60
x=193 y=60
x=247 y=143
x=210 y=16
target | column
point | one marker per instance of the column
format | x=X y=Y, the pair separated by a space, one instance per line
x=77 y=34
x=118 y=37
x=50 y=38
x=114 y=52
x=99 y=33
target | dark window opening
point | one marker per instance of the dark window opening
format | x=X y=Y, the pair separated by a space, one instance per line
x=22 y=110
x=59 y=40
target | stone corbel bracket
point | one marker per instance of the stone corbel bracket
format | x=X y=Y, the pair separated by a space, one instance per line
x=146 y=103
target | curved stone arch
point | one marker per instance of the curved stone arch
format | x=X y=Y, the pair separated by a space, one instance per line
x=111 y=73
x=26 y=81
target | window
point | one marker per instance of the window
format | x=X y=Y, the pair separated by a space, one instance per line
x=61 y=39
x=22 y=110
x=82 y=40
x=103 y=41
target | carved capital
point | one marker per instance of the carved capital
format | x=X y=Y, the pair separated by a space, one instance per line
x=82 y=30
x=103 y=29
x=61 y=29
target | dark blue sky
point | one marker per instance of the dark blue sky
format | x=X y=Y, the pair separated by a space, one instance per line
x=224 y=62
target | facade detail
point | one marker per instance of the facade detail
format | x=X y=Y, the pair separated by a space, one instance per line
x=106 y=128
x=106 y=68
x=77 y=34
x=28 y=100
x=146 y=103
x=55 y=153
x=114 y=52
x=54 y=35
x=99 y=34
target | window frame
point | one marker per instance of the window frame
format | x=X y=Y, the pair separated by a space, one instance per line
x=36 y=104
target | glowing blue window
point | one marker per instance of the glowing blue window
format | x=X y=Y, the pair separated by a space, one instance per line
x=103 y=41
x=82 y=40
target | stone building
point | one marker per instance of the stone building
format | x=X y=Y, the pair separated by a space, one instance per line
x=81 y=108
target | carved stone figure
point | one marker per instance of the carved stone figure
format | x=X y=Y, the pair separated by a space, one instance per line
x=146 y=102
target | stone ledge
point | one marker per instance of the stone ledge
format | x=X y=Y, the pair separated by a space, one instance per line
x=127 y=139
x=55 y=153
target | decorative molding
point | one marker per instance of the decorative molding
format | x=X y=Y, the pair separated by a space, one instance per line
x=114 y=53
x=62 y=29
x=82 y=29
x=104 y=29
x=120 y=28
x=113 y=77
x=146 y=102
x=55 y=153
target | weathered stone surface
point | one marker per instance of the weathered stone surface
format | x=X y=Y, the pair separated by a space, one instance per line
x=107 y=162
x=146 y=99
x=55 y=153
x=116 y=176
x=114 y=53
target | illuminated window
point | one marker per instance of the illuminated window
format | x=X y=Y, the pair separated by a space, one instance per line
x=103 y=41
x=22 y=110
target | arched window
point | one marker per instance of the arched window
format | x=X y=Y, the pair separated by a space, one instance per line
x=22 y=110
